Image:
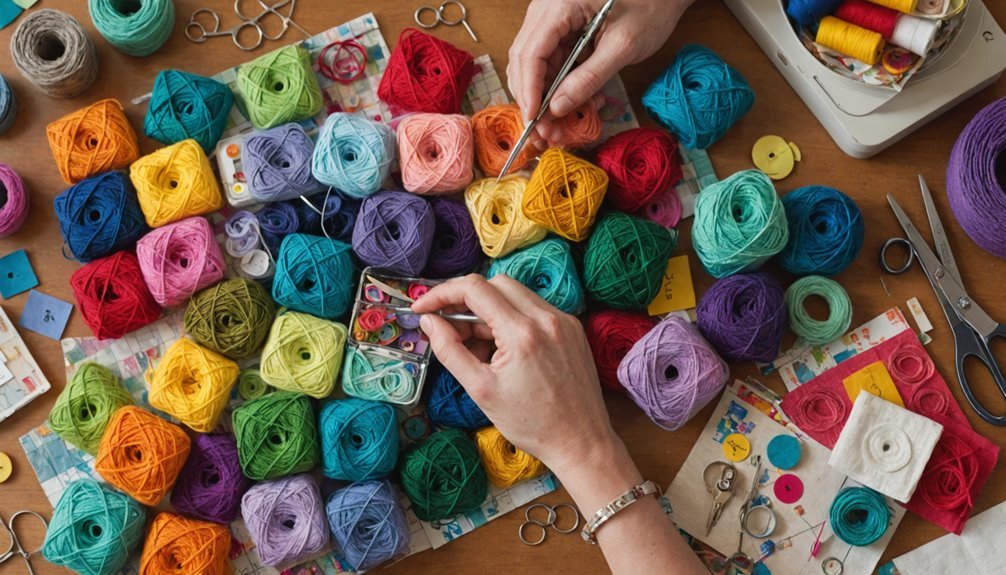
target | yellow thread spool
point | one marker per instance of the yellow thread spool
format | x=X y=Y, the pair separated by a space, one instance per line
x=903 y=6
x=849 y=39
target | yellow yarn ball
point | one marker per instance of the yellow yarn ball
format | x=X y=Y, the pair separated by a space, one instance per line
x=564 y=194
x=505 y=464
x=498 y=217
x=303 y=353
x=174 y=183
x=192 y=384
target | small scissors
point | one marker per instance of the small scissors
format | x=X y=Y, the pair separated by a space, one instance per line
x=972 y=328
x=438 y=17
x=550 y=521
x=15 y=547
x=198 y=32
x=749 y=510
x=719 y=478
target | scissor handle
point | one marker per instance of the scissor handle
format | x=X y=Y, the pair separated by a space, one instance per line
x=203 y=33
x=968 y=343
x=462 y=18
x=908 y=260
x=45 y=526
x=419 y=17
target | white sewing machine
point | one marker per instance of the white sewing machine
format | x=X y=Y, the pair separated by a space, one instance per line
x=864 y=120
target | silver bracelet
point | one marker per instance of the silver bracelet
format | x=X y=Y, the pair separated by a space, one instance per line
x=610 y=510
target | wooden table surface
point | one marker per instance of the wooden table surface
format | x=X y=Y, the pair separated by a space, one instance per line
x=659 y=453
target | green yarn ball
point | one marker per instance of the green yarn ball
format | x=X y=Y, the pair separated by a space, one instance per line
x=626 y=259
x=251 y=385
x=443 y=476
x=279 y=87
x=83 y=410
x=276 y=436
x=232 y=317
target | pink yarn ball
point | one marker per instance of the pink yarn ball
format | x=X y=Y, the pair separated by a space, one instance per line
x=179 y=259
x=436 y=153
x=14 y=201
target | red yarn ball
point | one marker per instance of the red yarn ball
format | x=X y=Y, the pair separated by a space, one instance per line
x=112 y=296
x=640 y=163
x=426 y=74
x=611 y=334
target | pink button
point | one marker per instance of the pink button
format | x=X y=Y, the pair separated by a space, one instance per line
x=788 y=489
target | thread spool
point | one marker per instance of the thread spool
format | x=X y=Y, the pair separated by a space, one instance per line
x=93 y=529
x=276 y=435
x=394 y=231
x=174 y=183
x=917 y=35
x=85 y=406
x=8 y=105
x=425 y=74
x=859 y=516
x=442 y=476
x=579 y=128
x=449 y=405
x=498 y=218
x=137 y=28
x=141 y=454
x=231 y=318
x=436 y=153
x=285 y=519
x=180 y=259
x=210 y=485
x=359 y=439
x=826 y=231
x=99 y=216
x=564 y=194
x=849 y=39
x=641 y=164
x=354 y=154
x=52 y=51
x=377 y=379
x=626 y=259
x=547 y=269
x=868 y=15
x=368 y=524
x=277 y=164
x=175 y=543
x=314 y=275
x=187 y=106
x=495 y=131
x=505 y=464
x=251 y=385
x=744 y=317
x=455 y=248
x=112 y=297
x=94 y=139
x=807 y=13
x=903 y=6
x=665 y=209
x=192 y=384
x=303 y=354
x=14 y=201
x=739 y=224
x=280 y=87
x=611 y=334
x=672 y=373
x=699 y=97
x=813 y=331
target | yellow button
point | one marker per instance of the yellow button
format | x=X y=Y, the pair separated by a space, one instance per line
x=6 y=467
x=736 y=447
x=774 y=156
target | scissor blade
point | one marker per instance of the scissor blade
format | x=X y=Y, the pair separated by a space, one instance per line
x=388 y=290
x=939 y=235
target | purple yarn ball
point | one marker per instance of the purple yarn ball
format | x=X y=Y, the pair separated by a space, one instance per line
x=286 y=519
x=744 y=316
x=456 y=248
x=394 y=231
x=277 y=164
x=210 y=485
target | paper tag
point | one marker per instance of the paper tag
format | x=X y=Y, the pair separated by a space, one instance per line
x=921 y=319
x=873 y=379
x=45 y=314
x=676 y=292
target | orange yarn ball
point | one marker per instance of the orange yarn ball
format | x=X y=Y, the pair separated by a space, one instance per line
x=92 y=140
x=496 y=130
x=193 y=384
x=177 y=544
x=174 y=183
x=580 y=128
x=141 y=454
x=564 y=194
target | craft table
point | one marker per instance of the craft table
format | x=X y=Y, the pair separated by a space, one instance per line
x=495 y=548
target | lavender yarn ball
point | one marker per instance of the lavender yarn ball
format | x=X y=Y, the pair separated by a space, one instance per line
x=456 y=248
x=211 y=484
x=277 y=164
x=285 y=519
x=368 y=524
x=744 y=317
x=672 y=373
x=394 y=231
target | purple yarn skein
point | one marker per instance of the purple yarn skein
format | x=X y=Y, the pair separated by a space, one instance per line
x=394 y=231
x=285 y=519
x=368 y=524
x=277 y=164
x=744 y=317
x=456 y=248
x=210 y=485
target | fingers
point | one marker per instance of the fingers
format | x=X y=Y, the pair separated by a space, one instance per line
x=475 y=293
x=535 y=45
x=587 y=79
x=450 y=350
x=526 y=301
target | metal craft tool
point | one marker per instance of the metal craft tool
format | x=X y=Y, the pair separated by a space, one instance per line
x=439 y=18
x=719 y=477
x=198 y=31
x=400 y=295
x=15 y=548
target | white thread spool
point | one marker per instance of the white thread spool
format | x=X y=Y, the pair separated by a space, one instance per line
x=915 y=34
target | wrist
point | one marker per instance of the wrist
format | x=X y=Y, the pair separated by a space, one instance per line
x=604 y=471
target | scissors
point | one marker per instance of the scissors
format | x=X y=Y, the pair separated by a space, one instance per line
x=400 y=295
x=750 y=511
x=973 y=329
x=15 y=547
x=550 y=521
x=588 y=34
x=438 y=17
x=198 y=32
x=719 y=478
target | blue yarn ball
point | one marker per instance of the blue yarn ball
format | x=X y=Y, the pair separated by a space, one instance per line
x=547 y=269
x=449 y=405
x=826 y=231
x=314 y=275
x=184 y=106
x=340 y=215
x=8 y=105
x=699 y=97
x=807 y=13
x=368 y=524
x=359 y=439
x=99 y=216
x=277 y=221
x=354 y=154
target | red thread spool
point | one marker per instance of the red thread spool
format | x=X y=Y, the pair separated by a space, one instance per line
x=870 y=16
x=112 y=297
x=611 y=334
x=426 y=74
x=641 y=163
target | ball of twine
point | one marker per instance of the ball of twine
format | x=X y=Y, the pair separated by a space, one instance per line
x=85 y=406
x=359 y=439
x=8 y=105
x=99 y=216
x=744 y=317
x=178 y=544
x=547 y=269
x=611 y=334
x=231 y=318
x=135 y=28
x=280 y=87
x=285 y=519
x=251 y=385
x=276 y=435
x=193 y=384
x=187 y=106
x=505 y=464
x=180 y=259
x=52 y=51
x=455 y=249
x=436 y=153
x=425 y=74
x=354 y=154
x=368 y=524
x=579 y=128
x=174 y=183
x=112 y=297
x=626 y=259
x=449 y=405
x=641 y=164
x=564 y=194
x=813 y=331
x=859 y=516
x=394 y=231
x=442 y=476
x=14 y=201
x=672 y=373
x=499 y=220
x=826 y=231
x=496 y=130
x=303 y=353
x=371 y=377
x=314 y=275
x=92 y=140
x=277 y=164
x=211 y=484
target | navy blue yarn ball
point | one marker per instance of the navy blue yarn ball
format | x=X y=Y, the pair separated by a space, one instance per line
x=99 y=216
x=450 y=405
x=826 y=231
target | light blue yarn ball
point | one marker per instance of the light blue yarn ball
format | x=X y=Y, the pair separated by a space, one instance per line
x=368 y=523
x=135 y=27
x=359 y=439
x=314 y=275
x=353 y=154
x=547 y=269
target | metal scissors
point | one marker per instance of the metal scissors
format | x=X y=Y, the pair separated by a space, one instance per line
x=588 y=34
x=719 y=479
x=438 y=17
x=550 y=521
x=15 y=547
x=972 y=328
x=400 y=295
x=198 y=31
x=749 y=510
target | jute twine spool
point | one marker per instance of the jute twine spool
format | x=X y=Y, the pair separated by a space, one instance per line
x=51 y=50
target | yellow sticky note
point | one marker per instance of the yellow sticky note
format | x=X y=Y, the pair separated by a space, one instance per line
x=676 y=291
x=874 y=379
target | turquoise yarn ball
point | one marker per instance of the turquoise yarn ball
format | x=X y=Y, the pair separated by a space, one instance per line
x=314 y=275
x=184 y=106
x=353 y=154
x=547 y=269
x=359 y=439
x=135 y=27
x=699 y=97
x=93 y=529
x=826 y=231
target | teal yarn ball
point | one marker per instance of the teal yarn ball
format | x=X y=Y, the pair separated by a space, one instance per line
x=859 y=516
x=187 y=106
x=314 y=275
x=135 y=27
x=359 y=439
x=826 y=231
x=94 y=528
x=547 y=269
x=353 y=154
x=739 y=224
x=626 y=259
x=814 y=331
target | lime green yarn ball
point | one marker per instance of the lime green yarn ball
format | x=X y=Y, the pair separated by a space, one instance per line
x=276 y=436
x=279 y=87
x=626 y=259
x=83 y=410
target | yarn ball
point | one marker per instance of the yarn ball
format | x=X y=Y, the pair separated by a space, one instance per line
x=53 y=51
x=699 y=97
x=314 y=275
x=455 y=248
x=174 y=183
x=276 y=222
x=353 y=154
x=496 y=130
x=92 y=140
x=211 y=484
x=251 y=385
x=425 y=74
x=303 y=353
x=285 y=519
x=394 y=231
x=8 y=105
x=93 y=529
x=187 y=106
x=436 y=153
x=192 y=384
x=739 y=224
x=813 y=331
x=547 y=269
x=744 y=317
x=859 y=516
x=85 y=406
x=672 y=373
x=505 y=464
x=665 y=208
x=449 y=405
x=280 y=87
x=176 y=544
x=498 y=218
x=340 y=217
x=826 y=231
x=277 y=164
x=135 y=28
x=641 y=164
x=611 y=334
x=99 y=216
x=359 y=439
x=368 y=524
x=579 y=128
x=231 y=318
x=14 y=201
x=370 y=376
x=442 y=476
x=626 y=259
x=564 y=194
x=112 y=297
x=180 y=259
x=276 y=435
x=141 y=454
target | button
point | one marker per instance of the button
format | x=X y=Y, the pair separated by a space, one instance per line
x=736 y=447
x=6 y=467
x=788 y=489
x=774 y=156
x=784 y=451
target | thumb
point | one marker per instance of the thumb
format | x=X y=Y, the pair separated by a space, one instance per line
x=451 y=351
x=587 y=79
